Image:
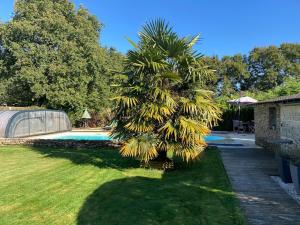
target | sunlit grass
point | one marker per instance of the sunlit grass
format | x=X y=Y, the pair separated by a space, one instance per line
x=73 y=186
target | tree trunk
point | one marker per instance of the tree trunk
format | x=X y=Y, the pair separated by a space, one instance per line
x=162 y=156
x=161 y=162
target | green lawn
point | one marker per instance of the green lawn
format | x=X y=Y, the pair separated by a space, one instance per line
x=69 y=186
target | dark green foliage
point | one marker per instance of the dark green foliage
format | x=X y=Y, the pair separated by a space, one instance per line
x=52 y=57
x=262 y=70
x=234 y=72
x=214 y=64
x=289 y=86
x=268 y=67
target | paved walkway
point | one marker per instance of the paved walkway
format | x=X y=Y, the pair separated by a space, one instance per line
x=262 y=200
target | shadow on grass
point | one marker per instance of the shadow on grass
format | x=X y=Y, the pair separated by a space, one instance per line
x=107 y=157
x=200 y=194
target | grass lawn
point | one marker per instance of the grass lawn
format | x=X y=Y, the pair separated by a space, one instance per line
x=69 y=186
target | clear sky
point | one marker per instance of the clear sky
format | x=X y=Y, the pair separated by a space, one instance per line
x=227 y=26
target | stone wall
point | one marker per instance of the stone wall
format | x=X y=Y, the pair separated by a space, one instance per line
x=264 y=134
x=57 y=143
x=287 y=125
x=290 y=125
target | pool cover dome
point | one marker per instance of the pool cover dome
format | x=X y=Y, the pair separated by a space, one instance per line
x=28 y=123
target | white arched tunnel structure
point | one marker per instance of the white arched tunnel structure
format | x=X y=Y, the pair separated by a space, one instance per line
x=26 y=123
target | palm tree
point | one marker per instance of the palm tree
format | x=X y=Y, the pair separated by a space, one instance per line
x=163 y=106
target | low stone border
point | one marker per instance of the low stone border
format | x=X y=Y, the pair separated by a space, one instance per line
x=58 y=143
x=288 y=188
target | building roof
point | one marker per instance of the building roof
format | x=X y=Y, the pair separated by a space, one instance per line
x=282 y=99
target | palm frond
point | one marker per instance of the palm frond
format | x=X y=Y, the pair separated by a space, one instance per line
x=144 y=148
x=139 y=126
x=156 y=30
x=193 y=40
x=172 y=76
x=165 y=96
x=151 y=111
x=199 y=71
x=189 y=128
x=169 y=146
x=132 y=43
x=210 y=112
x=169 y=131
x=126 y=101
x=189 y=107
x=190 y=153
x=155 y=111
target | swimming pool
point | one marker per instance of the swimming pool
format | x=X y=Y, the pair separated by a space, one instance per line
x=86 y=137
x=105 y=137
x=214 y=138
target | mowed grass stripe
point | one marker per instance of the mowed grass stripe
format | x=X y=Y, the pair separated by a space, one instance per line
x=16 y=165
x=81 y=186
x=47 y=191
x=57 y=174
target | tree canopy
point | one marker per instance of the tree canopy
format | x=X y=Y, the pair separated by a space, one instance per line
x=50 y=56
x=261 y=71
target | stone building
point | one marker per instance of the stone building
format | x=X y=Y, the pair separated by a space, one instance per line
x=277 y=120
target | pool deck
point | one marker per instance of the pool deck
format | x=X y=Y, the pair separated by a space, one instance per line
x=263 y=201
x=232 y=139
x=73 y=132
x=249 y=168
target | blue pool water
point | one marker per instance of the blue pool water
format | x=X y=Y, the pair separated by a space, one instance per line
x=213 y=138
x=95 y=137
x=103 y=137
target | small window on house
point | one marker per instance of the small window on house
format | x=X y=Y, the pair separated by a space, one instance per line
x=272 y=118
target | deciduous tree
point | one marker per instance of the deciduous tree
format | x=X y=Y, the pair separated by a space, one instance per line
x=52 y=57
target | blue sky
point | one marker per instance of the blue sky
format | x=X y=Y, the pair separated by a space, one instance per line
x=227 y=27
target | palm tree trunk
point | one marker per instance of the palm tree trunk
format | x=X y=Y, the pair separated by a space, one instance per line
x=162 y=162
x=162 y=156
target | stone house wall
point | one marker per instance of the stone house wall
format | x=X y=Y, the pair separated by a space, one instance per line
x=264 y=134
x=290 y=125
x=287 y=125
